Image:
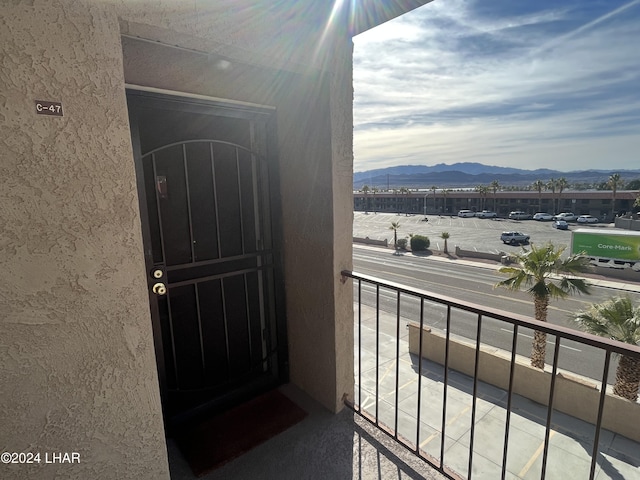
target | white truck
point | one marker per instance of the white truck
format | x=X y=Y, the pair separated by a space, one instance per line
x=612 y=248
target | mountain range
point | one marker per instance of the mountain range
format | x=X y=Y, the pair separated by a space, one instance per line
x=470 y=174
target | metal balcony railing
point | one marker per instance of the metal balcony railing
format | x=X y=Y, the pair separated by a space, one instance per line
x=464 y=426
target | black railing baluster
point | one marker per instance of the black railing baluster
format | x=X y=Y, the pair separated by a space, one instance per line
x=603 y=395
x=512 y=368
x=397 y=364
x=552 y=388
x=377 y=351
x=446 y=384
x=359 y=345
x=419 y=376
x=474 y=397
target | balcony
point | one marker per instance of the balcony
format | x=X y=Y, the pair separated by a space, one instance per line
x=435 y=413
x=323 y=446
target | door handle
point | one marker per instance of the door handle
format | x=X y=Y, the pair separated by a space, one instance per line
x=159 y=289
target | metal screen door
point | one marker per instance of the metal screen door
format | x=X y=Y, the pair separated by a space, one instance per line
x=204 y=177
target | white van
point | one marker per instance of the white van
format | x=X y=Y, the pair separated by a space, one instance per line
x=466 y=213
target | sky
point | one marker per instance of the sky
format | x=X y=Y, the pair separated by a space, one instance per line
x=516 y=83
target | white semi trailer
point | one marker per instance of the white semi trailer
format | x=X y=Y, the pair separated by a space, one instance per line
x=613 y=248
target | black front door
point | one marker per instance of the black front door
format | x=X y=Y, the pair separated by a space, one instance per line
x=206 y=175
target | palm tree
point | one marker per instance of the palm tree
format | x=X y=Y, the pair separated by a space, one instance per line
x=445 y=237
x=614 y=182
x=561 y=183
x=445 y=192
x=395 y=226
x=495 y=186
x=551 y=185
x=539 y=185
x=545 y=275
x=433 y=188
x=365 y=190
x=619 y=320
x=405 y=193
x=374 y=190
x=482 y=191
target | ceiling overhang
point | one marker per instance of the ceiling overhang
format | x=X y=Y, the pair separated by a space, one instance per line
x=367 y=14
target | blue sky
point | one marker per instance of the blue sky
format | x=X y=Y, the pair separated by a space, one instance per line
x=521 y=83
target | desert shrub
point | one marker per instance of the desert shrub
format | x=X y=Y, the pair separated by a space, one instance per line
x=419 y=243
x=402 y=243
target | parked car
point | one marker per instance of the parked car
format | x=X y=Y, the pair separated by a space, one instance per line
x=587 y=219
x=566 y=216
x=519 y=215
x=486 y=214
x=514 y=238
x=541 y=216
x=466 y=213
x=560 y=225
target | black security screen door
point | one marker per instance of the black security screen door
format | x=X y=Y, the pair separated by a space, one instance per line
x=206 y=174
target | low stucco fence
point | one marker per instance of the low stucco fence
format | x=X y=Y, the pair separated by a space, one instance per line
x=497 y=257
x=628 y=223
x=371 y=241
x=573 y=395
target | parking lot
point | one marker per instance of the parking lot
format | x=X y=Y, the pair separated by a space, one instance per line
x=477 y=234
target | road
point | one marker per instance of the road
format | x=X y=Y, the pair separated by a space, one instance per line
x=476 y=284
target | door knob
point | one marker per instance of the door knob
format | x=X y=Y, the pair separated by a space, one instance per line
x=159 y=289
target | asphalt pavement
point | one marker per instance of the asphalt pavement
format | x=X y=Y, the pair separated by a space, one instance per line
x=476 y=234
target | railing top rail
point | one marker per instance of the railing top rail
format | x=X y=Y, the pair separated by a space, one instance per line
x=512 y=318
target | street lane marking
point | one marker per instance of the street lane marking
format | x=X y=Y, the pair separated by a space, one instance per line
x=466 y=290
x=548 y=341
x=535 y=456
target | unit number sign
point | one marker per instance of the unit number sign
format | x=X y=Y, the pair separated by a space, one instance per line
x=48 y=108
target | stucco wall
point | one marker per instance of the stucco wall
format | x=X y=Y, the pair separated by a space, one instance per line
x=78 y=370
x=342 y=146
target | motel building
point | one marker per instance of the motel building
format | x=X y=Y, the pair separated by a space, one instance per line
x=449 y=201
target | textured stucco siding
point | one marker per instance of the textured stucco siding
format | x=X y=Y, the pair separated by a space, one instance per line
x=342 y=172
x=78 y=368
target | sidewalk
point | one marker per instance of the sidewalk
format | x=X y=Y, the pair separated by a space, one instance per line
x=571 y=440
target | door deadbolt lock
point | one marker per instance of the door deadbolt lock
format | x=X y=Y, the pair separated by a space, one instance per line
x=157 y=273
x=159 y=289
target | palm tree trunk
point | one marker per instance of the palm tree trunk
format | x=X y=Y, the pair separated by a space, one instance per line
x=627 y=378
x=539 y=347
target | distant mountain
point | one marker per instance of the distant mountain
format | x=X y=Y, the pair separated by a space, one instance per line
x=471 y=168
x=469 y=174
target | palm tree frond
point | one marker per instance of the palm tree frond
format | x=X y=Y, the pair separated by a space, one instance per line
x=615 y=318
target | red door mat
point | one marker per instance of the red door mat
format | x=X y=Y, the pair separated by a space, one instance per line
x=219 y=440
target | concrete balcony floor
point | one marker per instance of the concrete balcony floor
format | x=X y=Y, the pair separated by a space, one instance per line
x=323 y=446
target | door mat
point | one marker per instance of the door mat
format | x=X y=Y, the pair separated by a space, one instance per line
x=220 y=439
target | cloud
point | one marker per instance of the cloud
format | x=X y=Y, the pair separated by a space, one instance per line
x=455 y=81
